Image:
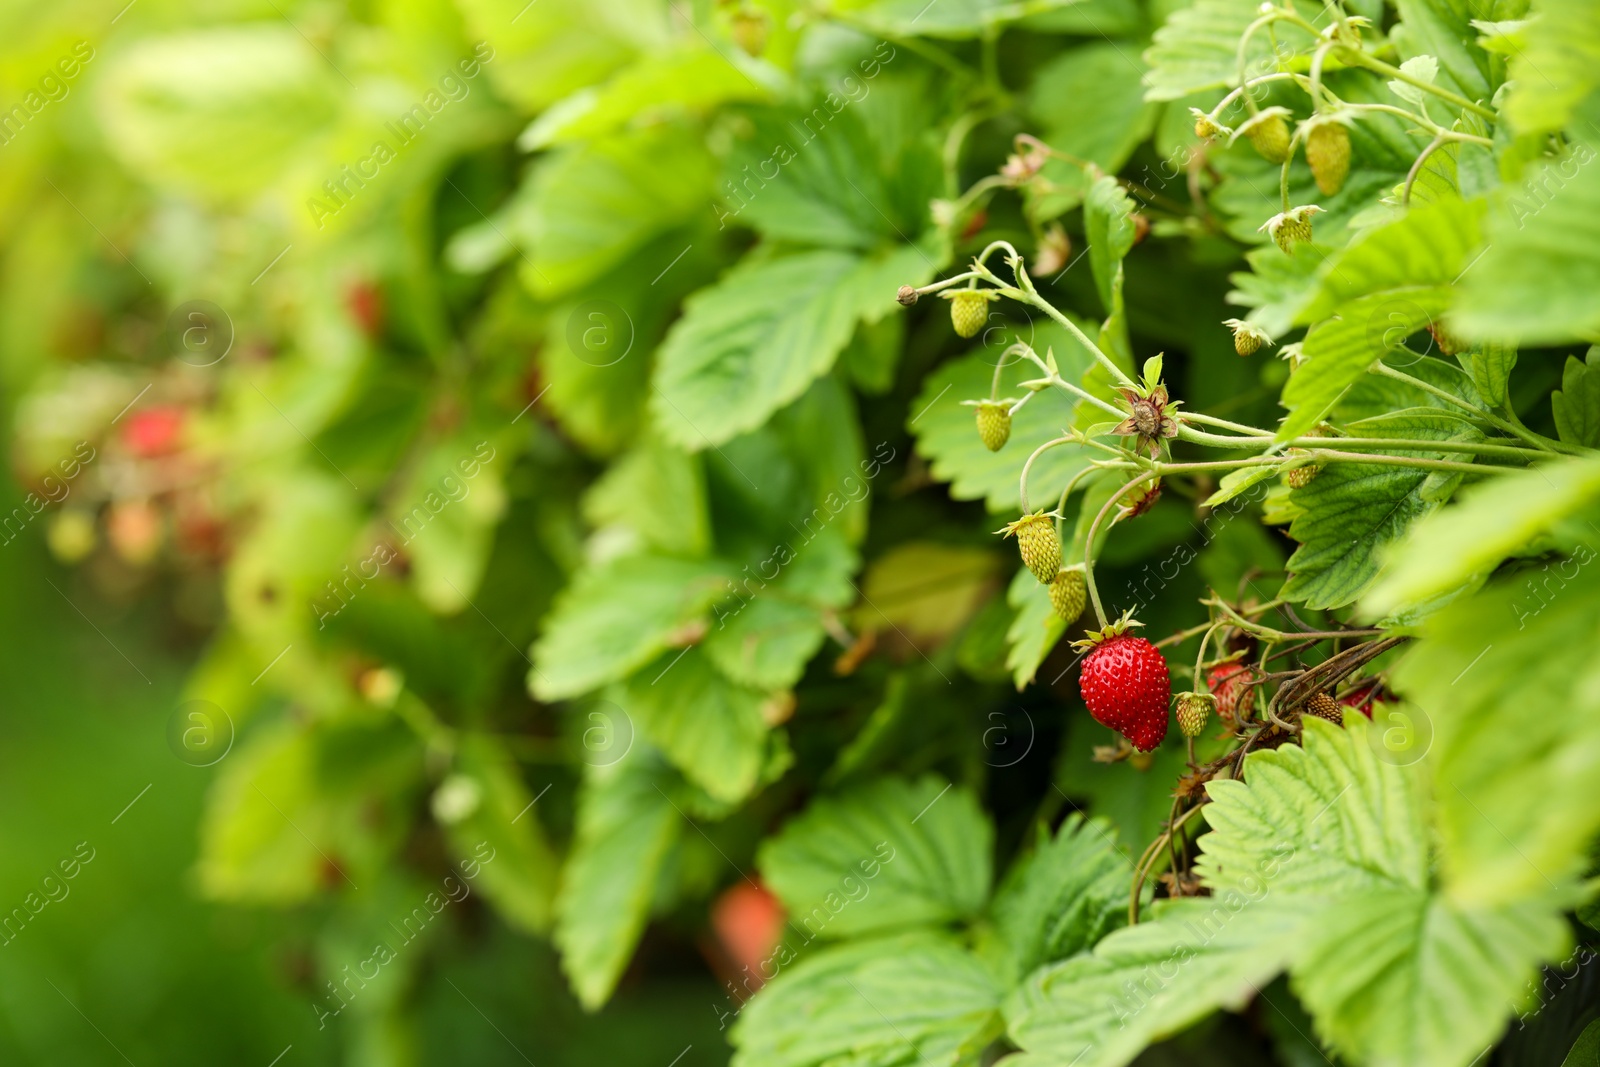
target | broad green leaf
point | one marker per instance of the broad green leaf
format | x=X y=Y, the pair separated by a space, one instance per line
x=926 y=590
x=756 y=340
x=1507 y=678
x=1557 y=67
x=1090 y=103
x=1239 y=481
x=1198 y=48
x=1490 y=365
x=1428 y=246
x=946 y=431
x=259 y=95
x=1352 y=511
x=873 y=354
x=1035 y=628
x=890 y=854
x=1338 y=351
x=826 y=176
x=1062 y=897
x=1537 y=278
x=1494 y=519
x=626 y=826
x=657 y=494
x=590 y=206
x=503 y=833
x=1108 y=224
x=711 y=728
x=1277 y=287
x=618 y=616
x=694 y=79
x=1576 y=405
x=1585 y=1052
x=918 y=998
x=1150 y=981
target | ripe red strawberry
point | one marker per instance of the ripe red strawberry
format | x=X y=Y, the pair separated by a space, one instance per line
x=1362 y=696
x=1236 y=698
x=153 y=431
x=1126 y=686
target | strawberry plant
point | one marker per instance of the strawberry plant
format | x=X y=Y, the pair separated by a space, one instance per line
x=743 y=488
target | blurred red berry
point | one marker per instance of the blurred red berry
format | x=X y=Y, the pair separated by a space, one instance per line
x=153 y=431
x=748 y=921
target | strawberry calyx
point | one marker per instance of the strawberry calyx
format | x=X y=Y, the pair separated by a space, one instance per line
x=1091 y=638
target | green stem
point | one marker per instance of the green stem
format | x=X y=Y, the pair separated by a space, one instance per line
x=1022 y=488
x=1380 y=367
x=1061 y=505
x=1088 y=541
x=1373 y=63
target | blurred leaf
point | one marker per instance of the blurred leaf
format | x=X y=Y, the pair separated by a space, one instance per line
x=956 y=19
x=219 y=112
x=1063 y=896
x=1484 y=677
x=928 y=842
x=658 y=493
x=446 y=513
x=1090 y=103
x=1427 y=246
x=875 y=1003
x=617 y=617
x=543 y=53
x=590 y=206
x=1557 y=67
x=1542 y=261
x=520 y=878
x=1353 y=510
x=1494 y=519
x=924 y=590
x=711 y=728
x=692 y=79
x=1108 y=225
x=750 y=344
x=626 y=826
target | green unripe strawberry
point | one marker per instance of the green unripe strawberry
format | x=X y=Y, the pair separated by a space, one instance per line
x=969 y=310
x=1041 y=549
x=1247 y=337
x=994 y=424
x=1292 y=227
x=1301 y=477
x=1068 y=593
x=1193 y=711
x=1269 y=133
x=1328 y=152
x=750 y=31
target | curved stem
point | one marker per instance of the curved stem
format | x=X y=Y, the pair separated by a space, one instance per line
x=1072 y=483
x=1416 y=168
x=1373 y=63
x=1088 y=541
x=1147 y=860
x=1022 y=489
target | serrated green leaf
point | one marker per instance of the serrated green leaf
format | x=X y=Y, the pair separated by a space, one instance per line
x=917 y=998
x=1576 y=405
x=1063 y=896
x=615 y=618
x=1034 y=630
x=1198 y=48
x=1542 y=266
x=1108 y=225
x=1338 y=351
x=947 y=433
x=1490 y=365
x=1239 y=481
x=1353 y=510
x=1514 y=819
x=1494 y=519
x=926 y=590
x=927 y=841
x=954 y=19
x=711 y=728
x=1441 y=29
x=626 y=826
x=756 y=340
